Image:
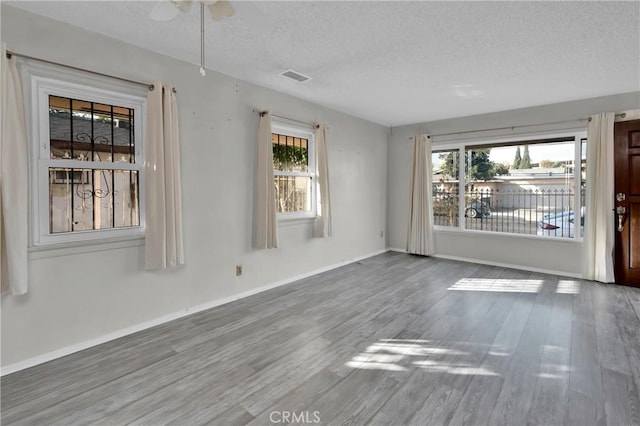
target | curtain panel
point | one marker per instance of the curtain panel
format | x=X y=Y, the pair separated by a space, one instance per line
x=265 y=211
x=163 y=187
x=420 y=235
x=323 y=221
x=14 y=178
x=599 y=229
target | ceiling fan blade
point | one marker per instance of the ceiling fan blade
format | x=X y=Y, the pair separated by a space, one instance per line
x=183 y=5
x=164 y=10
x=220 y=9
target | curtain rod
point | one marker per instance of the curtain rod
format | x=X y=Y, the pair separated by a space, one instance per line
x=306 y=123
x=150 y=86
x=621 y=115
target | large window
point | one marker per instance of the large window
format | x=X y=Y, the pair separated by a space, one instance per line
x=529 y=187
x=89 y=163
x=294 y=171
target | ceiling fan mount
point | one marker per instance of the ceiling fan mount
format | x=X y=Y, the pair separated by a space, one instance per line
x=166 y=10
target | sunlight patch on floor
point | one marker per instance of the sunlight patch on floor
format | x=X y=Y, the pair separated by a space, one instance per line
x=372 y=365
x=497 y=285
x=568 y=287
x=454 y=368
x=401 y=355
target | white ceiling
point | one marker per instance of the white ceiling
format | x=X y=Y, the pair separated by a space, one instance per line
x=394 y=62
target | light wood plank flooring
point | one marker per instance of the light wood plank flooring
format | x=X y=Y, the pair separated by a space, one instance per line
x=394 y=339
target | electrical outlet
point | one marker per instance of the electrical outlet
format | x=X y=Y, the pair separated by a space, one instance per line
x=238 y=270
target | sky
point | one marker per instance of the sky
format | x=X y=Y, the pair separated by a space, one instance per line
x=562 y=151
x=538 y=152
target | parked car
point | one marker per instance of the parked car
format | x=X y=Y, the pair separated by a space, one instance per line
x=559 y=224
x=477 y=208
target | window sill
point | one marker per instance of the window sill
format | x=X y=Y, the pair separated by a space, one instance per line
x=88 y=246
x=293 y=221
x=506 y=235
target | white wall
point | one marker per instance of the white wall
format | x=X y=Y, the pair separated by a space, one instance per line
x=79 y=295
x=529 y=253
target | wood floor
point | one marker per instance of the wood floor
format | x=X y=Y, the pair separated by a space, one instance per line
x=394 y=339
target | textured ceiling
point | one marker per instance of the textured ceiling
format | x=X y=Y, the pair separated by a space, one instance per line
x=394 y=62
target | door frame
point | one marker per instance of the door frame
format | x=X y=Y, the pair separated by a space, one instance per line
x=622 y=240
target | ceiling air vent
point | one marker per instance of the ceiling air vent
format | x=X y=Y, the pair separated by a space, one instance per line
x=294 y=75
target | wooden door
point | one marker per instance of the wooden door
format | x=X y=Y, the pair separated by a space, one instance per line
x=627 y=202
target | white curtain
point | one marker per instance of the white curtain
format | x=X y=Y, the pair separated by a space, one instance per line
x=266 y=222
x=599 y=215
x=163 y=188
x=420 y=236
x=323 y=221
x=14 y=181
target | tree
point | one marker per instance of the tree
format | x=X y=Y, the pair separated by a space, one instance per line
x=481 y=168
x=525 y=163
x=500 y=169
x=517 y=159
x=546 y=164
x=450 y=164
x=289 y=158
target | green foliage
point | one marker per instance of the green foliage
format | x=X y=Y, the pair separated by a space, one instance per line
x=450 y=164
x=500 y=169
x=481 y=168
x=548 y=164
x=64 y=113
x=445 y=204
x=525 y=163
x=517 y=159
x=290 y=158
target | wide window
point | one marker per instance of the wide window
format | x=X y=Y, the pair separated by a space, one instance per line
x=294 y=171
x=89 y=163
x=529 y=187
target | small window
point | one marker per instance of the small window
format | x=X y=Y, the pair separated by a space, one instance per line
x=294 y=171
x=90 y=164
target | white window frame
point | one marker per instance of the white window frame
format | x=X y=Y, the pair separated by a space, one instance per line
x=41 y=89
x=461 y=146
x=290 y=129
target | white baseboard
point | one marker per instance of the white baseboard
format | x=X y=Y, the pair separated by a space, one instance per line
x=399 y=250
x=500 y=264
x=509 y=265
x=49 y=356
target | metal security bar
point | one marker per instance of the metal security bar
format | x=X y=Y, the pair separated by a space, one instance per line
x=292 y=175
x=91 y=149
x=544 y=212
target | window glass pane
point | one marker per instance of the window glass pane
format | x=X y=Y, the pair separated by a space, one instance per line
x=123 y=135
x=84 y=130
x=60 y=127
x=445 y=166
x=126 y=211
x=290 y=154
x=522 y=189
x=102 y=132
x=583 y=182
x=81 y=130
x=87 y=199
x=293 y=193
